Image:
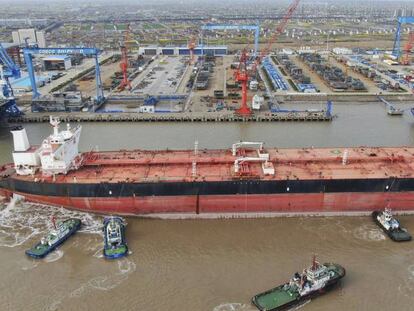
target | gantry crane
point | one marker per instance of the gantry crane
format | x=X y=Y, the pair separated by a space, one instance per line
x=241 y=74
x=29 y=52
x=8 y=69
x=396 y=51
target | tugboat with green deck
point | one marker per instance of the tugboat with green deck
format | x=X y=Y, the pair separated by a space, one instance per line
x=62 y=231
x=314 y=281
x=114 y=235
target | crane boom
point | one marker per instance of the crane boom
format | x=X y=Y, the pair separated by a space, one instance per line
x=280 y=28
x=241 y=74
x=124 y=62
x=407 y=49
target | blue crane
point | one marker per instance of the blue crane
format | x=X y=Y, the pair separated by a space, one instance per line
x=255 y=28
x=396 y=51
x=9 y=70
x=28 y=53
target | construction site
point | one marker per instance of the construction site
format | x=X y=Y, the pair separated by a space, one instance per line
x=201 y=81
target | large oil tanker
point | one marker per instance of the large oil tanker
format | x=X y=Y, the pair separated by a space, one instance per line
x=247 y=179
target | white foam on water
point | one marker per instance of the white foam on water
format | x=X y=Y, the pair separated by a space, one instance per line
x=233 y=306
x=79 y=291
x=300 y=306
x=54 y=306
x=407 y=288
x=104 y=282
x=20 y=221
x=108 y=281
x=29 y=264
x=369 y=232
x=99 y=252
x=54 y=256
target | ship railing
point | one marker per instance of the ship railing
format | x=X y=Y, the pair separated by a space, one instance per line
x=239 y=161
x=246 y=144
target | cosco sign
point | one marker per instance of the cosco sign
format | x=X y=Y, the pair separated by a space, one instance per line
x=61 y=51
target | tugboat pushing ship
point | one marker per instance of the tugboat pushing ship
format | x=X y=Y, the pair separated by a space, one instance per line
x=391 y=226
x=246 y=179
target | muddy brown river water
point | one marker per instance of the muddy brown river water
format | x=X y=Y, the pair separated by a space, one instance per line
x=211 y=265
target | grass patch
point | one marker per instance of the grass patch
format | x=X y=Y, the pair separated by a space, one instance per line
x=121 y=26
x=109 y=27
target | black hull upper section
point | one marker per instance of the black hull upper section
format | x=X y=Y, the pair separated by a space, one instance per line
x=162 y=188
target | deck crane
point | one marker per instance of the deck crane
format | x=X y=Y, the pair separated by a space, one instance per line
x=241 y=74
x=124 y=63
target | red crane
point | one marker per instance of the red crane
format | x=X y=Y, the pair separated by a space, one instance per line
x=280 y=28
x=407 y=49
x=191 y=47
x=241 y=74
x=242 y=77
x=124 y=63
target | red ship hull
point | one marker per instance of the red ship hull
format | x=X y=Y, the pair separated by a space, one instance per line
x=214 y=183
x=191 y=205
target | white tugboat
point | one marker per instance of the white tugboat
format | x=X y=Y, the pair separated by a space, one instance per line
x=390 y=225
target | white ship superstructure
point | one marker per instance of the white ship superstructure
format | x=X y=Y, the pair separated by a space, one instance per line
x=58 y=153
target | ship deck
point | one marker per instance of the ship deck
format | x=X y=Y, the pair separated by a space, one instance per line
x=218 y=165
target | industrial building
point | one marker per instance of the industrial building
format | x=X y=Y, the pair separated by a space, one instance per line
x=23 y=85
x=57 y=62
x=33 y=36
x=182 y=50
x=13 y=50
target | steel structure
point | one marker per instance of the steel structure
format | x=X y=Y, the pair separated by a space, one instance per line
x=242 y=76
x=396 y=51
x=28 y=53
x=125 y=62
x=191 y=47
x=255 y=28
x=8 y=70
x=280 y=28
x=407 y=49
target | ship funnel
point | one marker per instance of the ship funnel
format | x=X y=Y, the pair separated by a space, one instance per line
x=21 y=142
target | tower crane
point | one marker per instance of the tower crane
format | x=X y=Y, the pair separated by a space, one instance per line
x=241 y=74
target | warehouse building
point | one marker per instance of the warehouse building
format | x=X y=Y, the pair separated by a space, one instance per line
x=57 y=62
x=182 y=50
